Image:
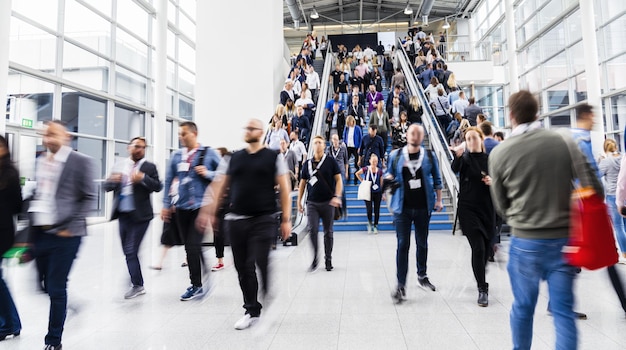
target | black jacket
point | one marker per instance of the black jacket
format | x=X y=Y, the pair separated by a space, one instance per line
x=10 y=204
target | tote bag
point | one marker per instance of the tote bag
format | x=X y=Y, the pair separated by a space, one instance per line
x=365 y=188
x=591 y=244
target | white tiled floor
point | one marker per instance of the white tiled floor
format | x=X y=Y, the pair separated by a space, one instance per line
x=348 y=308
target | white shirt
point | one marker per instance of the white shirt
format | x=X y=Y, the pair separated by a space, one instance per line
x=298 y=148
x=48 y=174
x=459 y=106
x=313 y=80
x=351 y=137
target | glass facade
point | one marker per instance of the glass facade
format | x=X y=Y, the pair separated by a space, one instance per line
x=91 y=64
x=551 y=57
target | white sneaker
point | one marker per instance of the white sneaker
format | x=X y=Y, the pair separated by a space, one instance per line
x=245 y=322
x=369 y=228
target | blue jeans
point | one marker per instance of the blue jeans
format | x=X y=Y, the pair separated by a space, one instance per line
x=131 y=235
x=530 y=261
x=619 y=222
x=9 y=318
x=420 y=219
x=54 y=257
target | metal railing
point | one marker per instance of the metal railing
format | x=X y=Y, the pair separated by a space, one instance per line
x=438 y=141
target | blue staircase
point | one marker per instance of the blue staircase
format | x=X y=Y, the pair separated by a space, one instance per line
x=357 y=217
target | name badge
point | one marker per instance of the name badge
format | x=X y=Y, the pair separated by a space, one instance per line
x=415 y=184
x=313 y=180
x=374 y=187
x=183 y=166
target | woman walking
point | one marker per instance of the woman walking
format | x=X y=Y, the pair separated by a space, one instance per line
x=610 y=165
x=475 y=210
x=374 y=174
x=10 y=205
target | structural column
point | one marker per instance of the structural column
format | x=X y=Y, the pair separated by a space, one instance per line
x=240 y=67
x=592 y=72
x=160 y=92
x=5 y=33
x=511 y=44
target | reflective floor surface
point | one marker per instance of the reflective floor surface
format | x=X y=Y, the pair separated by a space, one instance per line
x=348 y=308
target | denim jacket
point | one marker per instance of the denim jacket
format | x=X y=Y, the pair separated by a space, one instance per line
x=191 y=191
x=430 y=174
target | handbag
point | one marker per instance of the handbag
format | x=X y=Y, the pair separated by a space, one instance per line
x=365 y=189
x=591 y=243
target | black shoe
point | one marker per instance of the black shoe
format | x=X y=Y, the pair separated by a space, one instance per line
x=3 y=336
x=53 y=347
x=425 y=282
x=483 y=298
x=580 y=315
x=313 y=266
x=399 y=295
x=329 y=265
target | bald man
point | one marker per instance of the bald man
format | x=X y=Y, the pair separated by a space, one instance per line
x=251 y=176
x=417 y=172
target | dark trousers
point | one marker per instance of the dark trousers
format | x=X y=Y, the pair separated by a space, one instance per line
x=388 y=76
x=251 y=240
x=385 y=136
x=131 y=235
x=9 y=318
x=353 y=151
x=218 y=239
x=375 y=202
x=617 y=285
x=326 y=212
x=404 y=220
x=480 y=245
x=193 y=243
x=54 y=257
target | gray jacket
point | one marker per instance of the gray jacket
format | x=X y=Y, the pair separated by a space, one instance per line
x=609 y=168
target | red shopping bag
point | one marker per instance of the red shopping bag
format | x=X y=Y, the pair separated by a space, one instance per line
x=591 y=244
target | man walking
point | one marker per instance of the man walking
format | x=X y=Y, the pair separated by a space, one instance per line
x=194 y=166
x=416 y=170
x=251 y=176
x=132 y=181
x=321 y=177
x=64 y=195
x=532 y=174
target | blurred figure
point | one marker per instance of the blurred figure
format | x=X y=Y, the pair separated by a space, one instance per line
x=499 y=136
x=10 y=205
x=610 y=168
x=374 y=174
x=64 y=196
x=476 y=213
x=321 y=177
x=250 y=176
x=195 y=167
x=352 y=136
x=532 y=174
x=416 y=170
x=132 y=182
x=219 y=233
x=338 y=151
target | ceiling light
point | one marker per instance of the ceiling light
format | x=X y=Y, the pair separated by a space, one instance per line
x=446 y=24
x=408 y=10
x=314 y=13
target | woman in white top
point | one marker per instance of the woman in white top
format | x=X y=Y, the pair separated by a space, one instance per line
x=610 y=167
x=276 y=133
x=352 y=136
x=305 y=92
x=431 y=90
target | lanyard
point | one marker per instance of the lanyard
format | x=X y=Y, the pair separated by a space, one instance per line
x=371 y=175
x=313 y=172
x=413 y=165
x=332 y=150
x=188 y=156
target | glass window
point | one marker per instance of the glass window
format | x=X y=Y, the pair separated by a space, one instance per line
x=186 y=55
x=555 y=69
x=534 y=79
x=83 y=114
x=189 y=6
x=169 y=134
x=618 y=108
x=28 y=99
x=187 y=26
x=615 y=37
x=85 y=68
x=88 y=28
x=32 y=47
x=609 y=8
x=574 y=28
x=96 y=150
x=185 y=108
x=171 y=74
x=553 y=41
x=42 y=12
x=121 y=151
x=576 y=58
x=133 y=17
x=615 y=73
x=103 y=6
x=561 y=120
x=558 y=96
x=171 y=44
x=550 y=12
x=170 y=102
x=171 y=12
x=131 y=52
x=580 y=87
x=130 y=86
x=186 y=82
x=128 y=123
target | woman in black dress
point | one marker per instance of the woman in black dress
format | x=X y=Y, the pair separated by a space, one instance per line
x=10 y=204
x=475 y=210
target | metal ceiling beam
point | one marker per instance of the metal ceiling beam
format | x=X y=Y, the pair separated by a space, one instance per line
x=361 y=15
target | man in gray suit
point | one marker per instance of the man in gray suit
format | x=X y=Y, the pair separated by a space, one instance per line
x=64 y=195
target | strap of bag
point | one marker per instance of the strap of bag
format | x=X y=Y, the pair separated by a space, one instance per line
x=580 y=166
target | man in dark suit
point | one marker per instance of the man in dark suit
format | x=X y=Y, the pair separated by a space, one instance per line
x=132 y=181
x=64 y=196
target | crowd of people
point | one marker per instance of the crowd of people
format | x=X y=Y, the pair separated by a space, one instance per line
x=245 y=195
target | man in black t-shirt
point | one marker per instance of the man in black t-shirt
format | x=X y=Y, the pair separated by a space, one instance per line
x=321 y=178
x=251 y=176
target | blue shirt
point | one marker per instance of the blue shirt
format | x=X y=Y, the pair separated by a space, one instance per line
x=490 y=143
x=191 y=185
x=583 y=139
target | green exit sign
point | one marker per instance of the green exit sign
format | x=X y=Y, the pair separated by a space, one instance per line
x=27 y=123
